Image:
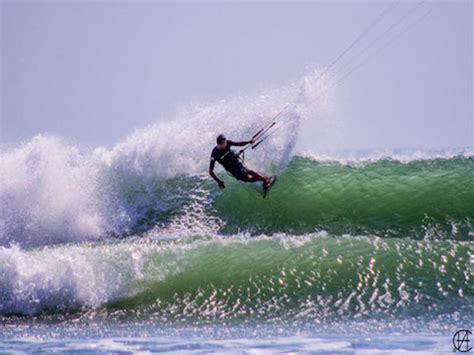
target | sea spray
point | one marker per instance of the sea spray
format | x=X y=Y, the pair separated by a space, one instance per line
x=51 y=192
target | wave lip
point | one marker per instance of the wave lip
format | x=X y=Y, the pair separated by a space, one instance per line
x=400 y=155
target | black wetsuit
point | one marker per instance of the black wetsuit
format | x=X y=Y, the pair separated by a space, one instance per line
x=229 y=160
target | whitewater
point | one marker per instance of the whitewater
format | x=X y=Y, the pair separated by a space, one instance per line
x=137 y=241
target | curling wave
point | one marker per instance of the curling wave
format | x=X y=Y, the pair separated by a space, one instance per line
x=306 y=278
x=154 y=182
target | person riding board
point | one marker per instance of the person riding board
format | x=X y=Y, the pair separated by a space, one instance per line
x=230 y=161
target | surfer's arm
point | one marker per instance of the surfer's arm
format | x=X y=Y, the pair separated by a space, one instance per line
x=240 y=144
x=213 y=175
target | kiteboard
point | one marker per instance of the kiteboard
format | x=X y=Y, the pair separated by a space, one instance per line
x=266 y=189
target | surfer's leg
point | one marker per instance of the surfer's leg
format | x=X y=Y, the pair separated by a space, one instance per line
x=253 y=176
x=250 y=178
x=247 y=175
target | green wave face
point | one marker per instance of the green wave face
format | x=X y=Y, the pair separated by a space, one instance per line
x=310 y=278
x=420 y=199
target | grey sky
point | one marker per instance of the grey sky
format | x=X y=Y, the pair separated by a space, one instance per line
x=93 y=71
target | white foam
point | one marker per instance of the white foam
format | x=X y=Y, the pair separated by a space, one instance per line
x=65 y=278
x=47 y=194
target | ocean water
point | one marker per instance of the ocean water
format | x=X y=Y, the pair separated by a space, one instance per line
x=134 y=249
